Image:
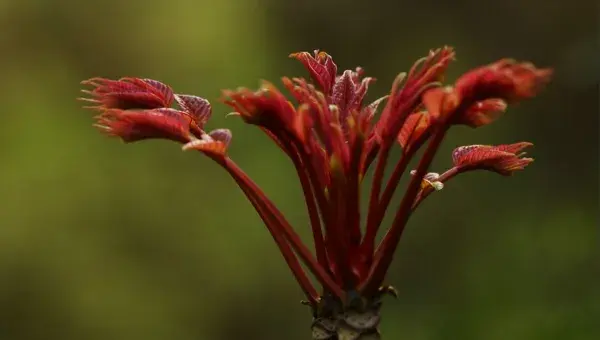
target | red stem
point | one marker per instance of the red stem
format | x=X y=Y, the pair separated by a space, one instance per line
x=252 y=190
x=309 y=197
x=371 y=230
x=339 y=236
x=385 y=251
x=333 y=243
x=292 y=151
x=374 y=224
x=379 y=211
x=392 y=184
x=284 y=247
x=313 y=214
x=300 y=153
x=372 y=148
x=402 y=112
x=409 y=151
x=318 y=187
x=353 y=198
x=445 y=177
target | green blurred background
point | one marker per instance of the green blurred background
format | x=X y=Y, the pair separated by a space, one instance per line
x=104 y=241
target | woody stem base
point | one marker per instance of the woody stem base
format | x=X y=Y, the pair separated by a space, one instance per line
x=357 y=319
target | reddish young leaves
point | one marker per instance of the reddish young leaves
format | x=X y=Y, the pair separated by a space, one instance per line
x=266 y=107
x=136 y=125
x=407 y=89
x=136 y=109
x=505 y=79
x=128 y=93
x=321 y=67
x=441 y=102
x=413 y=129
x=331 y=137
x=503 y=159
x=197 y=107
x=214 y=143
x=482 y=113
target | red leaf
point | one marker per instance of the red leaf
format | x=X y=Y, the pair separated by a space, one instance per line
x=362 y=89
x=505 y=79
x=482 y=112
x=406 y=93
x=214 y=148
x=136 y=125
x=267 y=107
x=221 y=135
x=440 y=101
x=502 y=159
x=215 y=143
x=128 y=93
x=321 y=67
x=415 y=125
x=161 y=90
x=343 y=95
x=198 y=107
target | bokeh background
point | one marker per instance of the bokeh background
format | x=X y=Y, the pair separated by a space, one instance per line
x=99 y=240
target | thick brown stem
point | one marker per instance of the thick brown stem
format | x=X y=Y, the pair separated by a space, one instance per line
x=342 y=331
x=337 y=321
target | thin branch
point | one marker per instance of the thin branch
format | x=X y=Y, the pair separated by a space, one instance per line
x=313 y=212
x=445 y=177
x=376 y=216
x=293 y=152
x=325 y=209
x=288 y=254
x=378 y=212
x=371 y=230
x=353 y=189
x=283 y=225
x=385 y=251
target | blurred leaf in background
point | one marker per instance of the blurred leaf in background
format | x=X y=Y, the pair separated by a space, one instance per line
x=104 y=241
